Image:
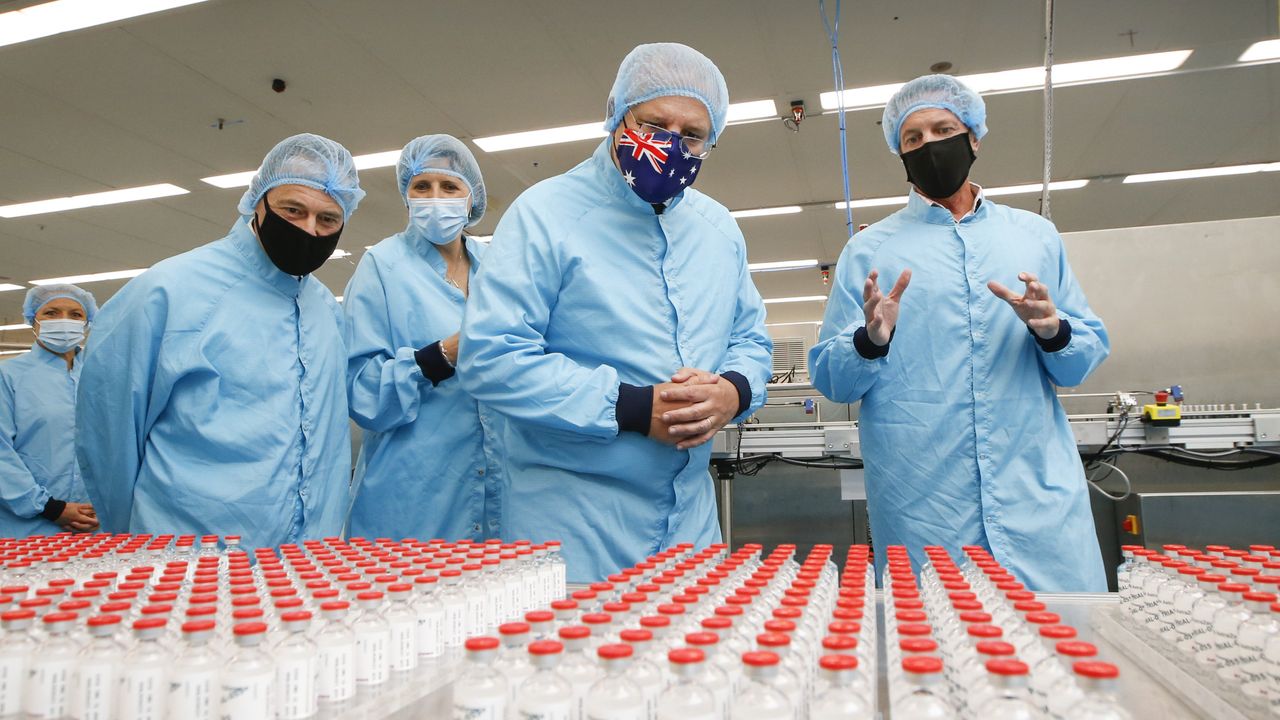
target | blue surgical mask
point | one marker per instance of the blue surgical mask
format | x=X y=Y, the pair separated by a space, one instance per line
x=61 y=336
x=437 y=220
x=655 y=166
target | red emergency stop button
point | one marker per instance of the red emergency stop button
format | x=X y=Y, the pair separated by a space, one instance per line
x=1131 y=525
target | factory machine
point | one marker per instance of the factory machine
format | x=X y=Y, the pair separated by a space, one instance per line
x=813 y=488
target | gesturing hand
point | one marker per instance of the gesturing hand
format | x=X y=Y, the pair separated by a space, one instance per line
x=1034 y=307
x=881 y=310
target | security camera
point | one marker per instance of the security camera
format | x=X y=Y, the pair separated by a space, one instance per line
x=279 y=85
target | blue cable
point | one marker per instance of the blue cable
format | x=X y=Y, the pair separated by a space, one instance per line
x=837 y=70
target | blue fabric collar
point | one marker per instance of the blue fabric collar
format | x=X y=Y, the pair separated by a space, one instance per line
x=611 y=180
x=919 y=208
x=48 y=357
x=436 y=260
x=246 y=243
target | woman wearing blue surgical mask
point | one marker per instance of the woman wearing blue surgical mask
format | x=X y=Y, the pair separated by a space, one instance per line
x=41 y=492
x=427 y=466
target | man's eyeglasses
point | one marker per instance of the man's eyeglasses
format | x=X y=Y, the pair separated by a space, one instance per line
x=695 y=146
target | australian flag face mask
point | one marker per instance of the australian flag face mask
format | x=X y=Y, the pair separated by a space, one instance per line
x=655 y=166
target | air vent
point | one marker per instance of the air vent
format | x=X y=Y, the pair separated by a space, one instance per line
x=790 y=355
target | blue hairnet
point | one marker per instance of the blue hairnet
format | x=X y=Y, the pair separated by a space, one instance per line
x=39 y=296
x=446 y=155
x=933 y=91
x=663 y=69
x=310 y=160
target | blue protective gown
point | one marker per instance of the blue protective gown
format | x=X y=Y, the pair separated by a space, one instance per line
x=212 y=401
x=962 y=434
x=37 y=441
x=427 y=467
x=584 y=288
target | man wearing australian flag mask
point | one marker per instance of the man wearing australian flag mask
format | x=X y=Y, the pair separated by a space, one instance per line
x=615 y=325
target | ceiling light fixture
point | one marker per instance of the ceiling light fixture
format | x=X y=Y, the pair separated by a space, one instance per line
x=368 y=161
x=798 y=298
x=4 y=287
x=1085 y=72
x=737 y=112
x=874 y=202
x=59 y=16
x=93 y=277
x=13 y=352
x=75 y=202
x=19 y=326
x=798 y=322
x=1034 y=187
x=1264 y=50
x=1202 y=173
x=783 y=265
x=240 y=179
x=339 y=254
x=765 y=212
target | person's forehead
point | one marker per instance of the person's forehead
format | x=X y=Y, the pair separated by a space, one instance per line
x=62 y=303
x=431 y=176
x=675 y=107
x=929 y=116
x=310 y=197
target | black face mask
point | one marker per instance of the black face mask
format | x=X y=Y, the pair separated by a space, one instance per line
x=290 y=248
x=939 y=168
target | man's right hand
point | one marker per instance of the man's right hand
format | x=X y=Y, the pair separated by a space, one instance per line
x=881 y=310
x=659 y=430
x=78 y=517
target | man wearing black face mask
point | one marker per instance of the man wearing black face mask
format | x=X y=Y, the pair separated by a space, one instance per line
x=964 y=440
x=213 y=400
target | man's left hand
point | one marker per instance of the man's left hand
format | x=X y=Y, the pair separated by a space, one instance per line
x=714 y=403
x=1034 y=307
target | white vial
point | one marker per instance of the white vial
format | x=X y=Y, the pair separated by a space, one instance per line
x=759 y=699
x=373 y=638
x=513 y=660
x=297 y=668
x=15 y=659
x=686 y=698
x=337 y=654
x=1098 y=681
x=480 y=692
x=926 y=699
x=577 y=666
x=248 y=683
x=545 y=694
x=430 y=616
x=194 y=686
x=49 y=684
x=144 y=685
x=643 y=672
x=844 y=698
x=615 y=696
x=455 y=612
x=97 y=676
x=1010 y=699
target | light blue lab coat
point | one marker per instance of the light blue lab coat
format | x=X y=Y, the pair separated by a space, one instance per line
x=212 y=401
x=584 y=288
x=962 y=434
x=37 y=441
x=428 y=466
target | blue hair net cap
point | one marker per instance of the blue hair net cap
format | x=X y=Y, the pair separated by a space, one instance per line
x=310 y=160
x=933 y=91
x=664 y=69
x=38 y=297
x=446 y=155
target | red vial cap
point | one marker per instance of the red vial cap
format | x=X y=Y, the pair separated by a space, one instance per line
x=545 y=647
x=615 y=651
x=477 y=644
x=1094 y=669
x=686 y=656
x=760 y=659
x=922 y=665
x=1007 y=667
x=575 y=632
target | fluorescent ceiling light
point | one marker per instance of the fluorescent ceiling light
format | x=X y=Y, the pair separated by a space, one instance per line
x=782 y=265
x=338 y=298
x=799 y=298
x=53 y=18
x=240 y=179
x=13 y=352
x=1264 y=50
x=94 y=277
x=339 y=254
x=763 y=212
x=874 y=202
x=19 y=326
x=111 y=197
x=1034 y=187
x=377 y=160
x=10 y=286
x=1031 y=78
x=535 y=138
x=750 y=110
x=737 y=112
x=1203 y=172
x=798 y=322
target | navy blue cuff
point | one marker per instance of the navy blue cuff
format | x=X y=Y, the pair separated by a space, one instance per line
x=742 y=386
x=1057 y=342
x=635 y=406
x=53 y=510
x=434 y=366
x=867 y=349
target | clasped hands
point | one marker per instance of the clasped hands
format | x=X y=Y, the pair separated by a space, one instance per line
x=691 y=409
x=1034 y=307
